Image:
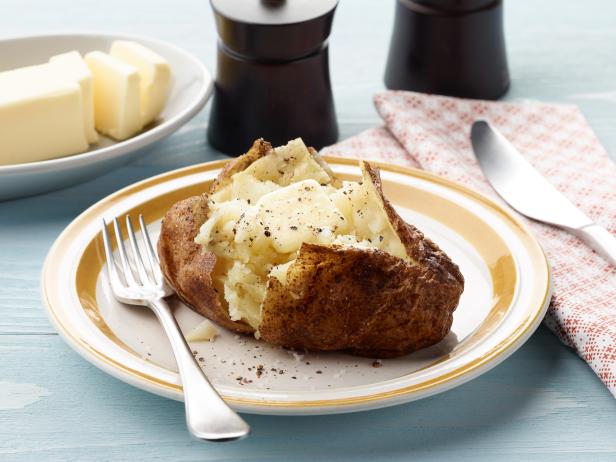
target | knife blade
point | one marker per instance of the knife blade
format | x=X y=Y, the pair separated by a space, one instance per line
x=528 y=192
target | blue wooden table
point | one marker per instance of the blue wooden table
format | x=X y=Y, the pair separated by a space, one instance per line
x=541 y=404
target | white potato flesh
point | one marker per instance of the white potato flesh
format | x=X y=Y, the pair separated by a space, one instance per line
x=259 y=221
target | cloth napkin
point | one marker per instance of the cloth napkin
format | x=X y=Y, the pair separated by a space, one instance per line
x=432 y=133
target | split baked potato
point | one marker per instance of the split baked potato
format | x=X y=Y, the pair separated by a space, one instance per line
x=282 y=249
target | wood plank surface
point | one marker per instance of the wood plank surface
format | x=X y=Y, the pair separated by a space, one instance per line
x=541 y=404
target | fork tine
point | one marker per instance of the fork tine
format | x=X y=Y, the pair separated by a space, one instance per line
x=128 y=272
x=141 y=271
x=152 y=257
x=111 y=267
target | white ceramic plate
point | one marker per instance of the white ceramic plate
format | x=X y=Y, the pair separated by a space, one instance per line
x=191 y=88
x=506 y=293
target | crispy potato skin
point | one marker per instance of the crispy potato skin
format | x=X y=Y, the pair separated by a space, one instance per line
x=364 y=301
x=259 y=149
x=187 y=266
x=419 y=248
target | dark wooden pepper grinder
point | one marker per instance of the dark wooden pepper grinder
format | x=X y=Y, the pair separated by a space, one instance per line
x=272 y=78
x=449 y=47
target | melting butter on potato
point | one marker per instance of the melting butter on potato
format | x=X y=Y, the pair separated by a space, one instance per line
x=55 y=109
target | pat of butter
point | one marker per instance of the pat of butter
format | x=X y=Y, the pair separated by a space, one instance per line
x=204 y=332
x=117 y=110
x=72 y=66
x=155 y=76
x=41 y=115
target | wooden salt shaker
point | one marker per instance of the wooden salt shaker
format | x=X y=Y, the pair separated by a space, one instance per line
x=272 y=79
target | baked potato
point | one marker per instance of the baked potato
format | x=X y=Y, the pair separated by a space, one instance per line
x=282 y=249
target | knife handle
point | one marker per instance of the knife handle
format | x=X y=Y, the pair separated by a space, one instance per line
x=600 y=240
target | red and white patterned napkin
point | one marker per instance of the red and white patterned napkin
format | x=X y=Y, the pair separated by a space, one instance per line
x=432 y=133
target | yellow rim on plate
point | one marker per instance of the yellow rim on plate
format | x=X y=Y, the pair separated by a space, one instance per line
x=492 y=250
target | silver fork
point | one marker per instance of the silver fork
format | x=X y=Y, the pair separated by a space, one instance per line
x=136 y=282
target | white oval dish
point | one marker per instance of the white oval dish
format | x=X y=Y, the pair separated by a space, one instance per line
x=507 y=291
x=191 y=89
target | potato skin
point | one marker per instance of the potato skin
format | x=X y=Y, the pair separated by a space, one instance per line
x=364 y=301
x=188 y=266
x=420 y=248
x=258 y=149
x=185 y=264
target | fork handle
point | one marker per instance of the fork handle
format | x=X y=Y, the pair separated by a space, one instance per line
x=207 y=415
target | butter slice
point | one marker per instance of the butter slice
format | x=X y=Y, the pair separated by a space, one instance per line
x=203 y=332
x=73 y=66
x=117 y=110
x=41 y=115
x=155 y=75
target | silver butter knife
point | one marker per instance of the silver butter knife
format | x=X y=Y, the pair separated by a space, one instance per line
x=524 y=189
